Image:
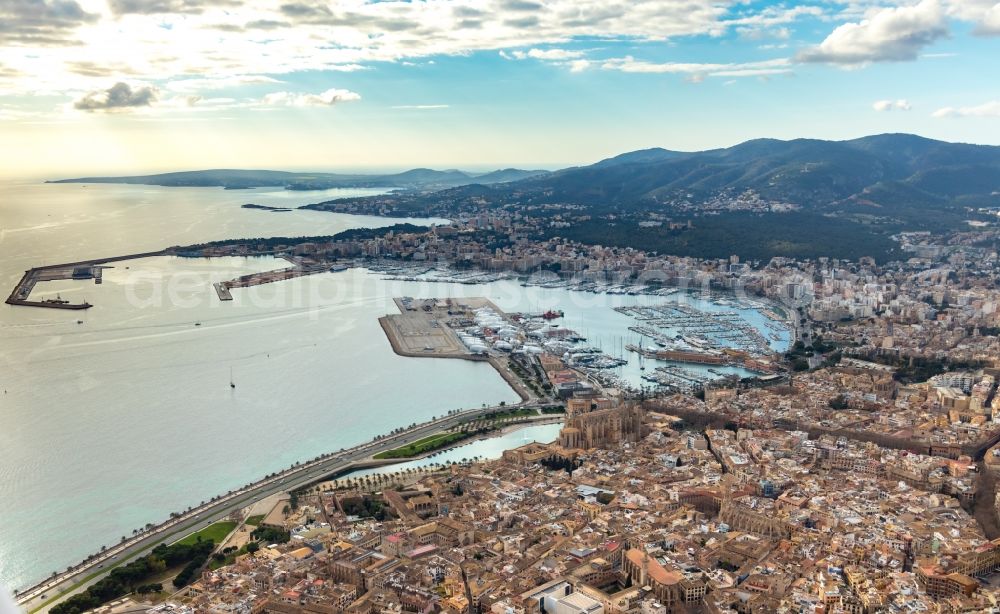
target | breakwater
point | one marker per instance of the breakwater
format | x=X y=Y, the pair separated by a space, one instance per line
x=82 y=270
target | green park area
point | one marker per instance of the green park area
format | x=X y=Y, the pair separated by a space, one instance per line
x=215 y=532
x=422 y=446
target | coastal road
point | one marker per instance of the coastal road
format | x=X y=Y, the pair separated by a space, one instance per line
x=44 y=595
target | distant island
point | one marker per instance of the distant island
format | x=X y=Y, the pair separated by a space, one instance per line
x=238 y=179
x=267 y=208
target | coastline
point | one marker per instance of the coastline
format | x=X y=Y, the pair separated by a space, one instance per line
x=512 y=381
x=304 y=474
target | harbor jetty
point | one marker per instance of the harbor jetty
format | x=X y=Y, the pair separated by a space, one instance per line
x=78 y=271
x=427 y=327
x=443 y=328
x=299 y=268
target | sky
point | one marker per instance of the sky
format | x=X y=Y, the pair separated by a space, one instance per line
x=134 y=86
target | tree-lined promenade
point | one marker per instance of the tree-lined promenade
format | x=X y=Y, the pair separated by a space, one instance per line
x=78 y=577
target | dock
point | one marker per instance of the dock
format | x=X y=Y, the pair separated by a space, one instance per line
x=298 y=269
x=422 y=327
x=223 y=291
x=77 y=271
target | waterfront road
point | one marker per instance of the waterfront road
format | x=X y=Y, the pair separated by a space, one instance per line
x=49 y=592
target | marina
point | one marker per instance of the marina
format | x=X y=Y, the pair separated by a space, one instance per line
x=681 y=327
x=678 y=378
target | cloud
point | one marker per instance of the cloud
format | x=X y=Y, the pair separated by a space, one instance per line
x=760 y=34
x=155 y=7
x=119 y=97
x=892 y=34
x=989 y=23
x=747 y=69
x=890 y=105
x=219 y=83
x=988 y=109
x=41 y=22
x=421 y=107
x=229 y=38
x=543 y=54
x=94 y=69
x=520 y=5
x=775 y=15
x=565 y=58
x=985 y=14
x=7 y=72
x=326 y=99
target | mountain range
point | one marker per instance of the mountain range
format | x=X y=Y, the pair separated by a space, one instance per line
x=801 y=197
x=893 y=175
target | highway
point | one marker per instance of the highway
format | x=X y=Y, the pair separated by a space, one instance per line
x=49 y=592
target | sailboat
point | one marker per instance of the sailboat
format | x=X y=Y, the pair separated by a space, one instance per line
x=232 y=384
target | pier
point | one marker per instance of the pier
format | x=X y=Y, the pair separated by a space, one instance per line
x=298 y=269
x=79 y=271
x=223 y=291
x=422 y=330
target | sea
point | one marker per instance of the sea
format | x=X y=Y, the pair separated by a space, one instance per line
x=116 y=416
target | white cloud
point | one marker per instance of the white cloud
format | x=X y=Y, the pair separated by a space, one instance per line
x=233 y=38
x=747 y=69
x=544 y=54
x=985 y=14
x=326 y=99
x=218 y=83
x=989 y=23
x=890 y=105
x=240 y=43
x=759 y=34
x=773 y=16
x=565 y=58
x=886 y=34
x=988 y=109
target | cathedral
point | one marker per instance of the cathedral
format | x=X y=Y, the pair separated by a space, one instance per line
x=597 y=423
